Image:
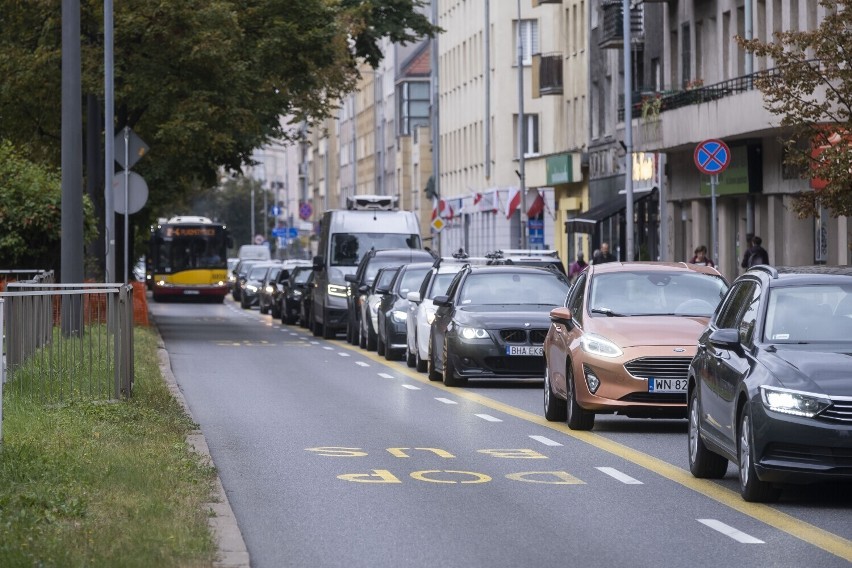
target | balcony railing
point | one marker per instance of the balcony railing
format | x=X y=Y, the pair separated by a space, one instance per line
x=612 y=34
x=536 y=3
x=670 y=100
x=550 y=74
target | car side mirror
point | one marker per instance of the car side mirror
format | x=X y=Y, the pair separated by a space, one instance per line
x=727 y=338
x=562 y=316
x=442 y=301
x=319 y=263
x=352 y=278
x=413 y=297
x=382 y=290
x=363 y=289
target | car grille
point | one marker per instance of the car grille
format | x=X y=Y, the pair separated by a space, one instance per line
x=534 y=336
x=839 y=411
x=659 y=367
x=811 y=456
x=516 y=365
x=656 y=397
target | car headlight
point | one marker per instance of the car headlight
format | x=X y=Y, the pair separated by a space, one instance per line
x=793 y=402
x=399 y=316
x=269 y=289
x=251 y=288
x=598 y=345
x=430 y=315
x=339 y=291
x=297 y=293
x=472 y=333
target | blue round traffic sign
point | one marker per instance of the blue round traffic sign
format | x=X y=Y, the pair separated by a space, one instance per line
x=712 y=157
x=305 y=211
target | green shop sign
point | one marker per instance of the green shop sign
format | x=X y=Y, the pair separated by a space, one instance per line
x=563 y=168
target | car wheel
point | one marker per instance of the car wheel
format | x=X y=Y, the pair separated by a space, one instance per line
x=327 y=331
x=410 y=358
x=362 y=337
x=752 y=489
x=434 y=375
x=450 y=379
x=702 y=462
x=275 y=311
x=555 y=409
x=380 y=344
x=316 y=329
x=263 y=309
x=578 y=417
x=371 y=338
x=243 y=304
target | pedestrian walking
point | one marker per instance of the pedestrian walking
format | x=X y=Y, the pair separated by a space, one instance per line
x=701 y=257
x=756 y=254
x=605 y=256
x=577 y=267
x=749 y=244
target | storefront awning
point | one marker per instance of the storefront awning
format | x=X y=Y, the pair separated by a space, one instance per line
x=586 y=221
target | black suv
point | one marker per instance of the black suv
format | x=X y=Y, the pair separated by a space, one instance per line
x=359 y=283
x=292 y=296
x=769 y=386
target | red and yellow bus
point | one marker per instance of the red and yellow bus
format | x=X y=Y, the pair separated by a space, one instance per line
x=188 y=258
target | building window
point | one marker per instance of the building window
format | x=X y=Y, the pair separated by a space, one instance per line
x=529 y=40
x=531 y=135
x=413 y=106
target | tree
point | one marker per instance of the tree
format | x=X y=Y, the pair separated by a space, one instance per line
x=30 y=213
x=810 y=88
x=203 y=82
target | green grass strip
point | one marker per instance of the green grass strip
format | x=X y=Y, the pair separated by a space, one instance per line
x=104 y=483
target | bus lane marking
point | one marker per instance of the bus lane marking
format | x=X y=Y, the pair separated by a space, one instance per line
x=411 y=387
x=545 y=440
x=730 y=531
x=343 y=354
x=327 y=348
x=362 y=364
x=488 y=417
x=620 y=476
x=386 y=376
x=786 y=523
x=446 y=401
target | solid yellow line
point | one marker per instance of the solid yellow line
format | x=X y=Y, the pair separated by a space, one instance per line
x=828 y=541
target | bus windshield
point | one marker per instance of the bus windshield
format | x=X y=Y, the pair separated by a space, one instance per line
x=348 y=248
x=189 y=247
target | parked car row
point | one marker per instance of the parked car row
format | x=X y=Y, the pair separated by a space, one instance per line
x=759 y=368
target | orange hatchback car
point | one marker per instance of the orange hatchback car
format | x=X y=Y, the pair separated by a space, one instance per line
x=624 y=340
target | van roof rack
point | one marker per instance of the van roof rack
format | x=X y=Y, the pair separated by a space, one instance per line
x=372 y=202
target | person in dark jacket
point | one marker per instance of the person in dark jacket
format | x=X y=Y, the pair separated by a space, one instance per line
x=755 y=254
x=605 y=256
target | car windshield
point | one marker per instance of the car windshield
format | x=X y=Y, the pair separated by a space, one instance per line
x=441 y=283
x=411 y=280
x=257 y=272
x=301 y=276
x=524 y=288
x=348 y=248
x=805 y=314
x=638 y=293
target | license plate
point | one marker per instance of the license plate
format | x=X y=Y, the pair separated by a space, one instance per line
x=191 y=292
x=524 y=350
x=666 y=385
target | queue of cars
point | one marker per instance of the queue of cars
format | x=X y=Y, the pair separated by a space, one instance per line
x=760 y=368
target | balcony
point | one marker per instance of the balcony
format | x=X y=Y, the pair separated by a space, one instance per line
x=547 y=74
x=537 y=3
x=612 y=34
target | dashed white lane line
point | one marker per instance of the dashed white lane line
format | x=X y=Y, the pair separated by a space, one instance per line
x=293 y=333
x=730 y=531
x=546 y=441
x=622 y=477
x=488 y=417
x=386 y=376
x=343 y=354
x=446 y=401
x=362 y=364
x=327 y=348
x=411 y=387
x=314 y=342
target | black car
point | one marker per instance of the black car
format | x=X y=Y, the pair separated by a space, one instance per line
x=367 y=334
x=270 y=289
x=239 y=280
x=360 y=282
x=305 y=316
x=392 y=313
x=769 y=388
x=492 y=322
x=253 y=282
x=290 y=306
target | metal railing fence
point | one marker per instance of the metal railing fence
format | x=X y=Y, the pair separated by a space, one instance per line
x=68 y=341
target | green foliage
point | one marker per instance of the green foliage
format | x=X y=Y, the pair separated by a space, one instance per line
x=203 y=82
x=811 y=90
x=30 y=213
x=230 y=203
x=104 y=484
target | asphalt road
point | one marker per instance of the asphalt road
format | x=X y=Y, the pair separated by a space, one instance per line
x=332 y=456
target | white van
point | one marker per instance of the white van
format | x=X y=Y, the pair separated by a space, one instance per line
x=368 y=222
x=254 y=252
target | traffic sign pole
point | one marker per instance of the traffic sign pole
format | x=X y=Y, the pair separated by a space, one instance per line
x=714 y=220
x=712 y=157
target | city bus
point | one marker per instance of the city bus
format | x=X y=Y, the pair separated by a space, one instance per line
x=188 y=258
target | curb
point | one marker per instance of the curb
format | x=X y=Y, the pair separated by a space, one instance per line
x=232 y=551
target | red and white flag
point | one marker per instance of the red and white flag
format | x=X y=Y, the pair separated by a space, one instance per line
x=513 y=202
x=537 y=205
x=477 y=198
